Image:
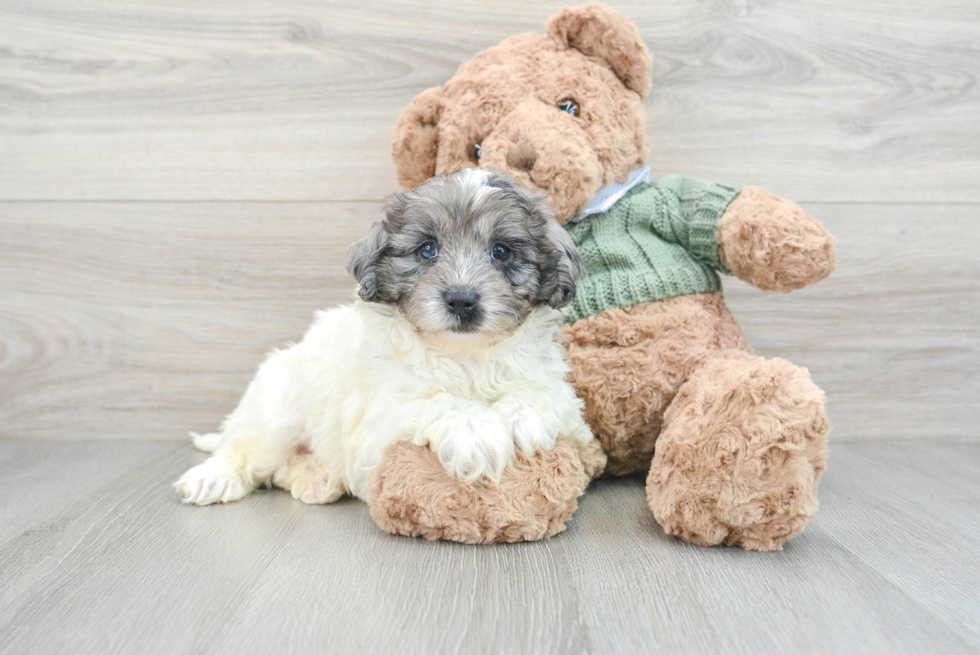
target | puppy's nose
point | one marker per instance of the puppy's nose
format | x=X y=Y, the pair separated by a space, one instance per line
x=522 y=157
x=462 y=301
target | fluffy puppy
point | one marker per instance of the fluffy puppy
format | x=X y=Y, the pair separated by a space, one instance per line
x=452 y=344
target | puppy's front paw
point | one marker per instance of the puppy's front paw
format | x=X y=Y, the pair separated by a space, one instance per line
x=472 y=445
x=212 y=482
x=532 y=430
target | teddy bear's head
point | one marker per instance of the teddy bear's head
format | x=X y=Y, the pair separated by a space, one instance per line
x=562 y=112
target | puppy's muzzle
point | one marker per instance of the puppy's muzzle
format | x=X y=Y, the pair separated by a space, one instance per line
x=463 y=302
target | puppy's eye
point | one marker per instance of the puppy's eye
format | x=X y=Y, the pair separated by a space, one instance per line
x=500 y=252
x=429 y=250
x=569 y=106
x=475 y=150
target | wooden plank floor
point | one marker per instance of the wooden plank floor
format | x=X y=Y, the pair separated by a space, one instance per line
x=97 y=555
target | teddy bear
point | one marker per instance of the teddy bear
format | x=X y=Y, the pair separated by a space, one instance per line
x=733 y=443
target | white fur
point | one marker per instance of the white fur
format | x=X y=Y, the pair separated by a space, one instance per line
x=318 y=415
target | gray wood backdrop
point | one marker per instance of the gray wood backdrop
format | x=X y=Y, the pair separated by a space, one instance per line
x=179 y=181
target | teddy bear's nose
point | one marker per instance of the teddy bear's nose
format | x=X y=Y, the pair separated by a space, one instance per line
x=522 y=157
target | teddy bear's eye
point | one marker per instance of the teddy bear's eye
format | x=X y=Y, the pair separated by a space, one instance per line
x=475 y=153
x=569 y=106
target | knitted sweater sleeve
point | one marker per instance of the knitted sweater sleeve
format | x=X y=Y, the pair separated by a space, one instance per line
x=686 y=211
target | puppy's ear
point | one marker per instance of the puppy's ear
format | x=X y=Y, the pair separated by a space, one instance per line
x=558 y=288
x=362 y=261
x=415 y=143
x=559 y=264
x=598 y=31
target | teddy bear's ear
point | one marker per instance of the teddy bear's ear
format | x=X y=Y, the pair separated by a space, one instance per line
x=415 y=142
x=599 y=31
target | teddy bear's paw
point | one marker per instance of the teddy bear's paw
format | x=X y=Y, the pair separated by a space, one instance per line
x=471 y=445
x=773 y=244
x=532 y=429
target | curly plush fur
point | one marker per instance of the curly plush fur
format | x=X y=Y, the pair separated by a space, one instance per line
x=501 y=100
x=629 y=363
x=771 y=243
x=411 y=495
x=741 y=452
x=737 y=442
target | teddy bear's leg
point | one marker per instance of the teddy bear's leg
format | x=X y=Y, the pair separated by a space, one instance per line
x=412 y=494
x=629 y=363
x=742 y=448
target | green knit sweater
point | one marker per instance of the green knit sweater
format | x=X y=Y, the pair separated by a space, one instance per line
x=658 y=241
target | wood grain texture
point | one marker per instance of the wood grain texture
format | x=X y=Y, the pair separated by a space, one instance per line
x=141 y=321
x=42 y=477
x=295 y=100
x=146 y=320
x=924 y=496
x=887 y=565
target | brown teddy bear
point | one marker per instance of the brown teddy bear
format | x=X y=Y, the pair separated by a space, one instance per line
x=734 y=443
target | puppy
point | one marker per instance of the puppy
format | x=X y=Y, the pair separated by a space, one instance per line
x=451 y=345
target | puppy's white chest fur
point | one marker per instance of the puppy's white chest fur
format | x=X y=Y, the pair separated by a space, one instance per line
x=472 y=402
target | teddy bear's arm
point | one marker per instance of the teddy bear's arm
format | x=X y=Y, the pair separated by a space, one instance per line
x=765 y=240
x=685 y=211
x=772 y=244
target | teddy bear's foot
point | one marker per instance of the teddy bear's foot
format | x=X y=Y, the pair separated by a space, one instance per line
x=739 y=460
x=412 y=494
